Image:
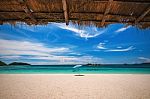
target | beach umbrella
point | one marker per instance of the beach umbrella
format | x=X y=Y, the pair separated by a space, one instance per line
x=77 y=67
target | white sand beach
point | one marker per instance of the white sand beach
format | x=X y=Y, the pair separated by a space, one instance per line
x=68 y=86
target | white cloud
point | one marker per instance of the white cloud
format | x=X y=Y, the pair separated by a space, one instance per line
x=21 y=52
x=123 y=29
x=10 y=57
x=69 y=27
x=101 y=46
x=144 y=59
x=69 y=59
x=13 y=47
x=121 y=49
x=38 y=53
x=87 y=32
x=75 y=53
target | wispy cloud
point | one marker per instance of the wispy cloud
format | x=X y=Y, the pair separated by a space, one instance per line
x=14 y=47
x=121 y=49
x=69 y=59
x=85 y=32
x=69 y=27
x=10 y=57
x=144 y=59
x=54 y=59
x=123 y=29
x=101 y=46
x=14 y=50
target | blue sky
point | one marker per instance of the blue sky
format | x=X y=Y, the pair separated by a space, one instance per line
x=56 y=43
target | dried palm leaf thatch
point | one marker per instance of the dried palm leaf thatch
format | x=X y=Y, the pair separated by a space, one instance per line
x=83 y=12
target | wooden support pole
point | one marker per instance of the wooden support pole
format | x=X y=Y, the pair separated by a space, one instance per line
x=106 y=12
x=64 y=3
x=142 y=15
x=27 y=10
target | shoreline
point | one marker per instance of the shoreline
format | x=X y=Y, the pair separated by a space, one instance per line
x=75 y=74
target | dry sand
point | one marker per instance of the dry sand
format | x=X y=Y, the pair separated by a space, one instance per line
x=99 y=86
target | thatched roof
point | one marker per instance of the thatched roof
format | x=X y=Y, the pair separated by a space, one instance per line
x=97 y=12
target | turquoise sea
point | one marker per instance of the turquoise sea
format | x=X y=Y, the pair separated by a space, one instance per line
x=68 y=69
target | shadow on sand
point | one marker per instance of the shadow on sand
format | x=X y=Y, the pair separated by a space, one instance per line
x=79 y=75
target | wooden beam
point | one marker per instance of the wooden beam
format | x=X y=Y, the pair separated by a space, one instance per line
x=124 y=1
x=133 y=2
x=32 y=12
x=65 y=9
x=62 y=20
x=106 y=12
x=101 y=14
x=73 y=13
x=142 y=15
x=27 y=10
x=75 y=19
x=118 y=1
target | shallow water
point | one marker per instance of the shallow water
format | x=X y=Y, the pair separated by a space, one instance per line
x=68 y=69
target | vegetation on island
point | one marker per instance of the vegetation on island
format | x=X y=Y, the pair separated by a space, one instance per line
x=19 y=63
x=148 y=63
x=2 y=63
x=13 y=63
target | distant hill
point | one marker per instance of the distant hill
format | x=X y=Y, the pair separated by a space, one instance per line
x=19 y=63
x=146 y=63
x=2 y=63
x=89 y=64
